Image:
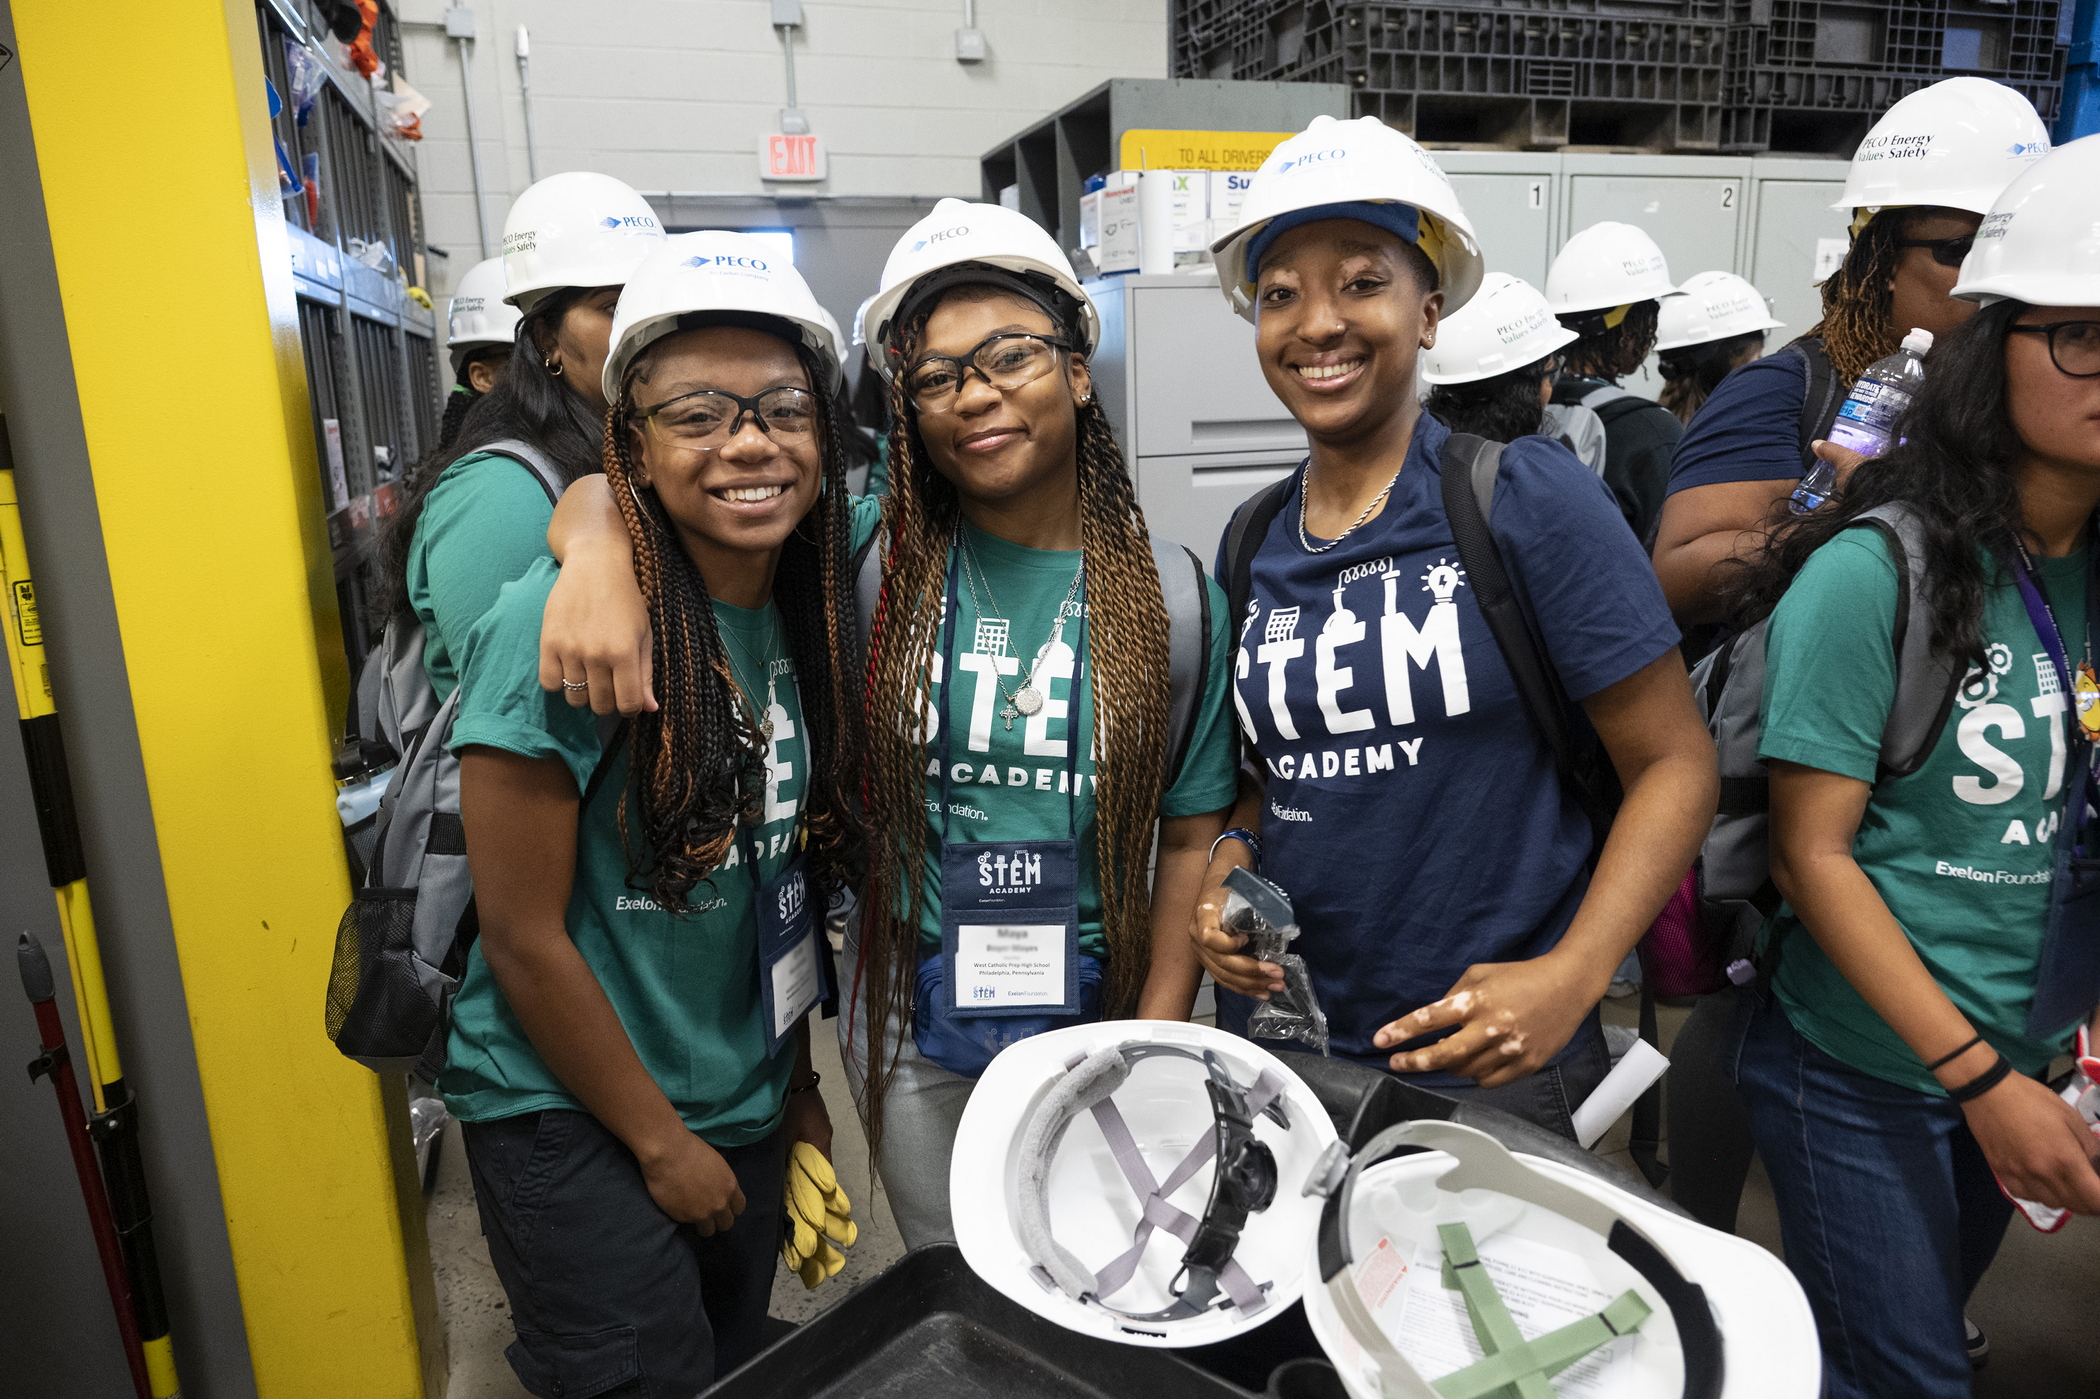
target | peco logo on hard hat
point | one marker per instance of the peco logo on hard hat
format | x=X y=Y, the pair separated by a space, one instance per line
x=1510 y=332
x=627 y=221
x=1636 y=266
x=2028 y=148
x=941 y=237
x=1338 y=153
x=727 y=260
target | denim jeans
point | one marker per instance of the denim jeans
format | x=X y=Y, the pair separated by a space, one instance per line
x=1888 y=1210
x=610 y=1295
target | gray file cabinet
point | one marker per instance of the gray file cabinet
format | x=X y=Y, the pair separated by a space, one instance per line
x=1177 y=374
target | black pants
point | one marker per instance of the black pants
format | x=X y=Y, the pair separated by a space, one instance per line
x=610 y=1295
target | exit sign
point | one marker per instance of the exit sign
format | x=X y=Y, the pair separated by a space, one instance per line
x=787 y=157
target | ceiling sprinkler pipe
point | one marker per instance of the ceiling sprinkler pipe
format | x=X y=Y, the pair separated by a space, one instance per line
x=532 y=145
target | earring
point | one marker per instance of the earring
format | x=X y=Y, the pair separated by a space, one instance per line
x=552 y=366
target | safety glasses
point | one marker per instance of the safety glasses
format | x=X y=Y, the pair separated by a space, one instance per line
x=1006 y=361
x=2074 y=346
x=709 y=418
x=1947 y=252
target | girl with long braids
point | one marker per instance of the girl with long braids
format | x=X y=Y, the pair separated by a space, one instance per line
x=629 y=1051
x=478 y=516
x=1031 y=737
x=1914 y=219
x=1938 y=944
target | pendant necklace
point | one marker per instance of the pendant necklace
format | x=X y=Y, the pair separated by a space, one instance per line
x=1026 y=702
x=765 y=726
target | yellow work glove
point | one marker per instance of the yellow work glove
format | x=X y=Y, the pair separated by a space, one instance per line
x=817 y=1221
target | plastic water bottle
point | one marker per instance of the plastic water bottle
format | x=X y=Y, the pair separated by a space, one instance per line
x=1866 y=422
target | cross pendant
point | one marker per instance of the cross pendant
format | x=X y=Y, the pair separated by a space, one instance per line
x=1009 y=714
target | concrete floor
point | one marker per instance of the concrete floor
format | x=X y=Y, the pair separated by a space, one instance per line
x=2035 y=1304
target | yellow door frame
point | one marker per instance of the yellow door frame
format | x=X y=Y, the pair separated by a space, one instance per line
x=154 y=151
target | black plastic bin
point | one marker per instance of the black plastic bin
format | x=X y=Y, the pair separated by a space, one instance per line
x=927 y=1328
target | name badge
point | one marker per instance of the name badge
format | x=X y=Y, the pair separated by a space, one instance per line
x=1010 y=927
x=790 y=965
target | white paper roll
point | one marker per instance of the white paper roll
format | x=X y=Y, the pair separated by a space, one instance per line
x=1642 y=1065
x=1156 y=221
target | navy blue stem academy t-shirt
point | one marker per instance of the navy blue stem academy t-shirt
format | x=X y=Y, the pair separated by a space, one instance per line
x=1414 y=814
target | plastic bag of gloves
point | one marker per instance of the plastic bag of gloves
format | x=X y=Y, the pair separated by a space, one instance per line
x=1262 y=913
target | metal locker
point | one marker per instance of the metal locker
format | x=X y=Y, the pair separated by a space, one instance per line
x=1792 y=230
x=1511 y=199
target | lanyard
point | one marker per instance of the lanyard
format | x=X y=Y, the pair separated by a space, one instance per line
x=947 y=708
x=2044 y=620
x=744 y=828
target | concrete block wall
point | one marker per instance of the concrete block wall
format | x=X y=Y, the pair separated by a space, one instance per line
x=672 y=94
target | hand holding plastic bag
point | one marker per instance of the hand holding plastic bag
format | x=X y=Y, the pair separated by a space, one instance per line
x=1262 y=913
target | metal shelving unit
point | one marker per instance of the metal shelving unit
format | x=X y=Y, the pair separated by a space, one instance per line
x=370 y=348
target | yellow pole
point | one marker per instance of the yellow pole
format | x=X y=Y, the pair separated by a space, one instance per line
x=182 y=333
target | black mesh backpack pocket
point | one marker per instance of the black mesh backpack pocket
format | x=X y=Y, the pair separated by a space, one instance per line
x=378 y=1004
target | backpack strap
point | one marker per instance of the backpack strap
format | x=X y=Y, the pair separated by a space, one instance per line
x=1925 y=682
x=867 y=588
x=1243 y=539
x=1821 y=396
x=1185 y=589
x=533 y=460
x=1470 y=466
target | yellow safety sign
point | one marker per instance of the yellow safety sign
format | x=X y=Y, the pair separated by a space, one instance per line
x=1198 y=150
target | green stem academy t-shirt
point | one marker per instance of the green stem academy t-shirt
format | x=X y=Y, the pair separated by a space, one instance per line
x=686 y=988
x=1961 y=850
x=1009 y=783
x=483 y=524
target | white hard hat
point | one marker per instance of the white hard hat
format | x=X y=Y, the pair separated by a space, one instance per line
x=1605 y=266
x=715 y=271
x=1506 y=326
x=575 y=230
x=957 y=233
x=1715 y=306
x=2041 y=241
x=1052 y=1214
x=1362 y=162
x=1955 y=144
x=477 y=314
x=1684 y=1310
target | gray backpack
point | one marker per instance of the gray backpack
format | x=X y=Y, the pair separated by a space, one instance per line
x=1181 y=588
x=401 y=947
x=1729 y=687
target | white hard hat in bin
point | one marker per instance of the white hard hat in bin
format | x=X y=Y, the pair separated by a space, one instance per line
x=1506 y=326
x=1333 y=164
x=1607 y=265
x=576 y=229
x=716 y=271
x=2040 y=243
x=1413 y=1253
x=942 y=248
x=1956 y=145
x=1715 y=306
x=477 y=314
x=1139 y=1180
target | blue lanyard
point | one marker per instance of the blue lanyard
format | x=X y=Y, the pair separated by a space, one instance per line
x=946 y=708
x=2045 y=627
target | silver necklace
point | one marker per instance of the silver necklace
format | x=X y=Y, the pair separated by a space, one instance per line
x=1028 y=700
x=765 y=726
x=1304 y=486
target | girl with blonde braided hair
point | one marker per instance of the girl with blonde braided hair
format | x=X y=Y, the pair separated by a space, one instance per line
x=630 y=1036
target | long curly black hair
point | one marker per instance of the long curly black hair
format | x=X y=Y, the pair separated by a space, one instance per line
x=1501 y=409
x=1955 y=467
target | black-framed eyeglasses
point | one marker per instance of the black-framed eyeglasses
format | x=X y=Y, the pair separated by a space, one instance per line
x=2074 y=346
x=709 y=418
x=1006 y=361
x=1947 y=252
